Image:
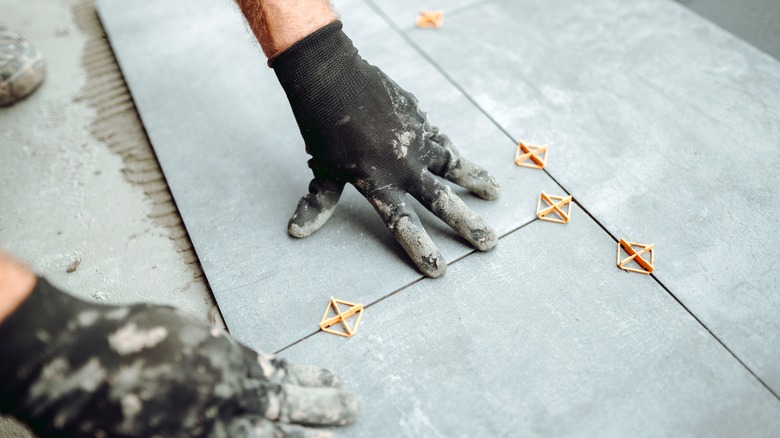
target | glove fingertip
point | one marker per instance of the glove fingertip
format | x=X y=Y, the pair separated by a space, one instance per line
x=484 y=239
x=490 y=190
x=298 y=231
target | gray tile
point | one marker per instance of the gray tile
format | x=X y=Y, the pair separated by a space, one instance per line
x=403 y=13
x=664 y=126
x=232 y=155
x=544 y=337
x=755 y=21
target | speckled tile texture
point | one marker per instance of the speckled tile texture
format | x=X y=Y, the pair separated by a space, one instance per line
x=237 y=166
x=662 y=126
x=565 y=345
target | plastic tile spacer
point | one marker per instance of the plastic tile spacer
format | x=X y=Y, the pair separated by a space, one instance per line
x=527 y=155
x=430 y=19
x=341 y=317
x=630 y=248
x=555 y=205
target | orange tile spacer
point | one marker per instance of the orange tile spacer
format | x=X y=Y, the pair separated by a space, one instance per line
x=341 y=317
x=628 y=247
x=530 y=152
x=430 y=19
x=555 y=204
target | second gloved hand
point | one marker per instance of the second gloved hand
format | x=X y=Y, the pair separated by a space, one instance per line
x=361 y=128
x=73 y=368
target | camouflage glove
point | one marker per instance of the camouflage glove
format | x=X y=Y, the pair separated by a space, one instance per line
x=361 y=128
x=72 y=368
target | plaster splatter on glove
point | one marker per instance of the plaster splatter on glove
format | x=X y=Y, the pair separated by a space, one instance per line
x=361 y=128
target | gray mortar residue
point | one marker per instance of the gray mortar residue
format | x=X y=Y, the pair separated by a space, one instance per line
x=317 y=406
x=281 y=371
x=117 y=125
x=420 y=247
x=130 y=339
x=452 y=210
x=305 y=221
x=474 y=178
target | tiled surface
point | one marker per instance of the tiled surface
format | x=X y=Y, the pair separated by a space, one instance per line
x=755 y=21
x=403 y=13
x=567 y=345
x=664 y=126
x=237 y=167
x=543 y=336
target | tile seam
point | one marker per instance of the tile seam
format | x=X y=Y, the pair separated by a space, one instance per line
x=455 y=11
x=441 y=71
x=686 y=308
x=406 y=286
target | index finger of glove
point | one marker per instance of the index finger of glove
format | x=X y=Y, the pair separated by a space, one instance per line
x=315 y=208
x=279 y=370
x=453 y=167
x=403 y=222
x=298 y=405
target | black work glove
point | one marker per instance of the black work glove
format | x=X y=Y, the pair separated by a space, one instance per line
x=72 y=368
x=361 y=128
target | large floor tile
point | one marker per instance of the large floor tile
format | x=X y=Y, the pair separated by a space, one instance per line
x=547 y=338
x=664 y=126
x=232 y=155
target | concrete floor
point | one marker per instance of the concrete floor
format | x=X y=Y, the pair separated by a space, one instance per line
x=80 y=185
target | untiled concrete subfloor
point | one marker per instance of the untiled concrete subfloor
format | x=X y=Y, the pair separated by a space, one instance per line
x=643 y=105
x=79 y=183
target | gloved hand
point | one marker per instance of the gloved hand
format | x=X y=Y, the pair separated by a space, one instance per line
x=72 y=368
x=361 y=128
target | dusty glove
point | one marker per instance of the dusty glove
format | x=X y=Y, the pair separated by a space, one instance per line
x=361 y=128
x=72 y=368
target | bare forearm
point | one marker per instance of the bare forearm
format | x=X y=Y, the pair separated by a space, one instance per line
x=16 y=283
x=278 y=24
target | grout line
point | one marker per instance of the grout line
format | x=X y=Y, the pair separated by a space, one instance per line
x=296 y=342
x=456 y=260
x=465 y=94
x=696 y=318
x=406 y=286
x=393 y=292
x=468 y=6
x=449 y=78
x=455 y=11
x=438 y=68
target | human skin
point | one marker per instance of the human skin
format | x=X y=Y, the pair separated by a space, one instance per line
x=277 y=24
x=16 y=284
